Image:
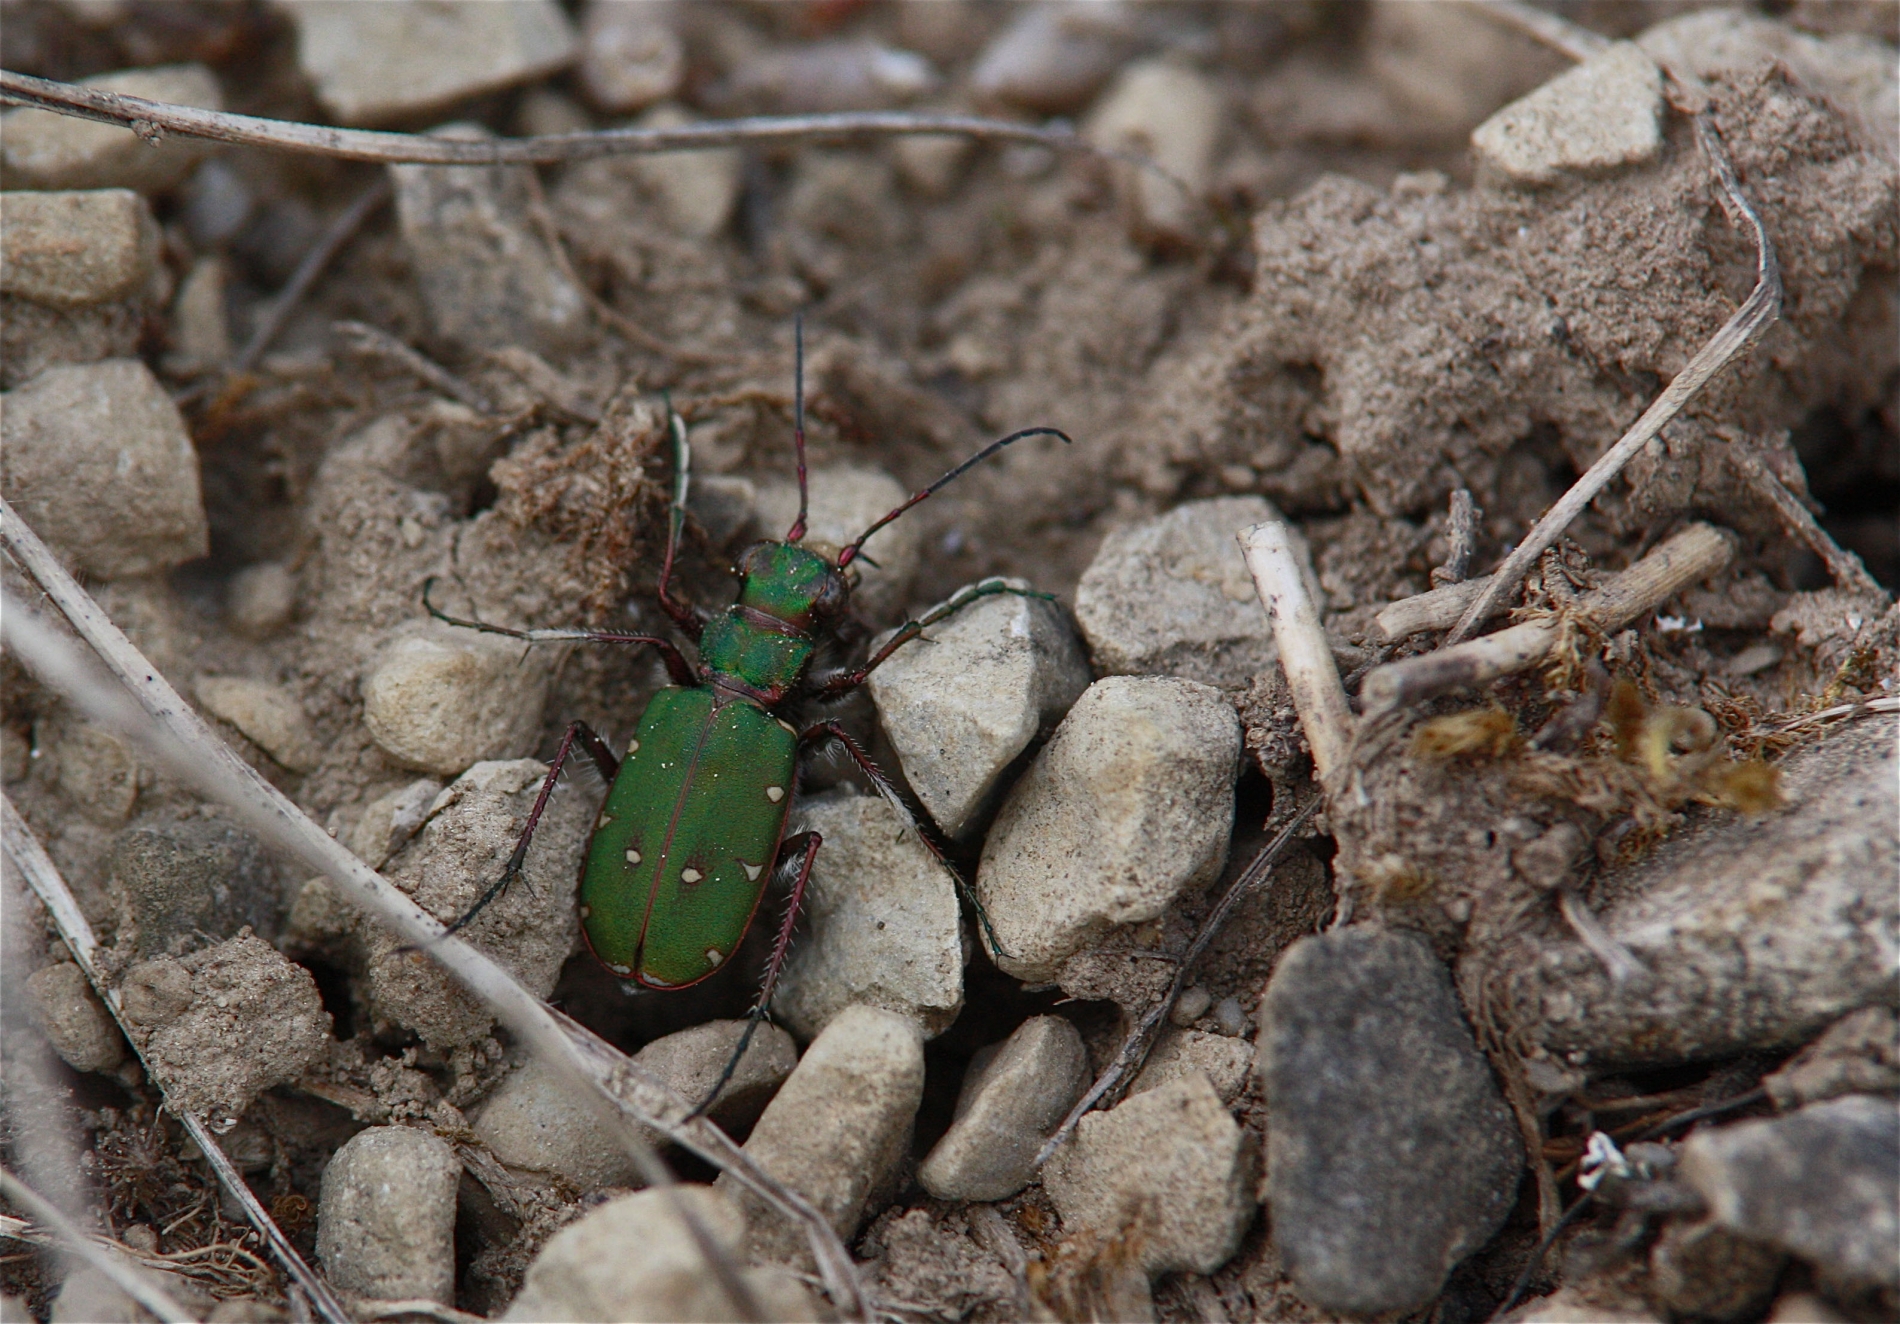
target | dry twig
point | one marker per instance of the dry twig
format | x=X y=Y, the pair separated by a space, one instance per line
x=113 y=1265
x=346 y=224
x=1843 y=565
x=372 y=342
x=1280 y=577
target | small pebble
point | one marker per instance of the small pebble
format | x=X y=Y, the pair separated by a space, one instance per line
x=200 y=334
x=845 y=501
x=399 y=59
x=724 y=505
x=1605 y=114
x=837 y=1129
x=635 y=1259
x=44 y=150
x=487 y=276
x=696 y=191
x=182 y=880
x=1229 y=1019
x=1013 y=1098
x=827 y=77
x=961 y=704
x=1365 y=1055
x=268 y=714
x=1706 y=1271
x=98 y=769
x=1225 y=1061
x=631 y=57
x=97 y=461
x=391 y=820
x=1172 y=1153
x=74 y=1020
x=70 y=249
x=441 y=699
x=260 y=599
x=216 y=202
x=1053 y=57
x=1074 y=851
x=1859 y=1054
x=1817 y=1183
x=884 y=930
x=1171 y=596
x=1172 y=116
x=1191 y=1006
x=386 y=1217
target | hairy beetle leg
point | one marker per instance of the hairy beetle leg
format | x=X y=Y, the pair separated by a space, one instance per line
x=676 y=664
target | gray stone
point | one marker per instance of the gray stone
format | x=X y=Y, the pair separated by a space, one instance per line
x=1754 y=932
x=1705 y=1270
x=461 y=851
x=200 y=338
x=184 y=880
x=631 y=57
x=250 y=1021
x=846 y=501
x=1170 y=114
x=827 y=77
x=72 y=1017
x=1818 y=1183
x=97 y=768
x=1014 y=1096
x=960 y=704
x=1365 y=1056
x=70 y=249
x=1603 y=115
x=1053 y=57
x=724 y=505
x=636 y=1259
x=391 y=820
x=838 y=1128
x=1230 y=1018
x=883 y=924
x=1190 y=1006
x=43 y=150
x=1859 y=1054
x=260 y=599
x=1225 y=1061
x=487 y=276
x=1172 y=1163
x=89 y=1297
x=97 y=461
x=268 y=714
x=533 y=1121
x=440 y=699
x=694 y=193
x=1171 y=596
x=386 y=1217
x=37 y=336
x=1129 y=803
x=400 y=59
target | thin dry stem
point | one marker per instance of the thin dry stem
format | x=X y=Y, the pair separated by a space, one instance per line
x=132 y=1280
x=1553 y=30
x=321 y=253
x=1280 y=577
x=1438 y=609
x=1762 y=307
x=1845 y=567
x=372 y=342
x=621 y=1094
x=1461 y=537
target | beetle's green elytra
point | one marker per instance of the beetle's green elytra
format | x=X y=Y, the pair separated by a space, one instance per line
x=693 y=827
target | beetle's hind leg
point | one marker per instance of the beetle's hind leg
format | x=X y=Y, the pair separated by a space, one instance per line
x=805 y=844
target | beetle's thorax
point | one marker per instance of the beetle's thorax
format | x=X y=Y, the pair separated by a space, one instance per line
x=760 y=646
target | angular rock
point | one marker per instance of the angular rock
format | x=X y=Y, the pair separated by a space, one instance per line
x=400 y=59
x=533 y=1121
x=1441 y=71
x=71 y=249
x=200 y=333
x=261 y=599
x=183 y=880
x=1171 y=115
x=1818 y=1183
x=695 y=191
x=1014 y=1096
x=1225 y=1061
x=1171 y=596
x=1705 y=1270
x=391 y=820
x=884 y=927
x=96 y=459
x=845 y=501
x=1603 y=115
x=386 y=1217
x=631 y=56
x=249 y=1021
x=1129 y=803
x=1755 y=932
x=43 y=150
x=486 y=274
x=838 y=1127
x=1169 y=1161
x=1365 y=1055
x=530 y=928
x=268 y=714
x=441 y=699
x=960 y=704
x=635 y=1259
x=1053 y=57
x=1859 y=1054
x=75 y=1022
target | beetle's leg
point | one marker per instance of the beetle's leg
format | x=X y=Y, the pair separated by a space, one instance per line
x=895 y=798
x=682 y=613
x=807 y=843
x=676 y=664
x=841 y=681
x=604 y=760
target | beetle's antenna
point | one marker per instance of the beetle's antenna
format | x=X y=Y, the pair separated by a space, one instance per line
x=850 y=553
x=798 y=420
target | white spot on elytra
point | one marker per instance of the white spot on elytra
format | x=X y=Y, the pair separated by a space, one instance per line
x=633 y=747
x=714 y=956
x=620 y=969
x=690 y=875
x=605 y=819
x=752 y=871
x=787 y=725
x=633 y=856
x=775 y=793
x=587 y=912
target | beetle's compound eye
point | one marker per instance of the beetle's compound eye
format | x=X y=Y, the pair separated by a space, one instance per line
x=834 y=597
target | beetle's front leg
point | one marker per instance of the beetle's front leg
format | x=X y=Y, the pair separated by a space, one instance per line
x=841 y=682
x=676 y=664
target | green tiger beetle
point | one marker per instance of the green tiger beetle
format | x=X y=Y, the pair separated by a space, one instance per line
x=693 y=827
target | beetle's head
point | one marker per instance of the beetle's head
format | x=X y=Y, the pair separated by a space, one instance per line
x=795 y=583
